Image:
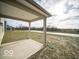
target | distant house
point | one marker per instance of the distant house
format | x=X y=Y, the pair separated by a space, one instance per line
x=9 y=28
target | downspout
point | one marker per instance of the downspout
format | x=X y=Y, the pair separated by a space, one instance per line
x=44 y=29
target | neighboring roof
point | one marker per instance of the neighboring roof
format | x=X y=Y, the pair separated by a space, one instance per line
x=26 y=10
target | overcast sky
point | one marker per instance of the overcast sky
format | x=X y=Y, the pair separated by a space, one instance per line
x=65 y=14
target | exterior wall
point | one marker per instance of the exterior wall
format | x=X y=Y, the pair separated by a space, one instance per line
x=1 y=29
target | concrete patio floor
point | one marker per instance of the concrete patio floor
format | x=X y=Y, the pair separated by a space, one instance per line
x=20 y=49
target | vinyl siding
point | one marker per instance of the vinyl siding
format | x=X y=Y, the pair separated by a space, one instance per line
x=1 y=29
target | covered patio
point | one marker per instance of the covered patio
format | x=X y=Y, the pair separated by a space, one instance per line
x=24 y=10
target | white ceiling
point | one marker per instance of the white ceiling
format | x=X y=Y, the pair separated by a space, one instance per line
x=9 y=10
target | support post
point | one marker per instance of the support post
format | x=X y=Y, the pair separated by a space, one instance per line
x=44 y=29
x=29 y=29
x=5 y=26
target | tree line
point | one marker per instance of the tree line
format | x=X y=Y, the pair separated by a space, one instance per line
x=52 y=29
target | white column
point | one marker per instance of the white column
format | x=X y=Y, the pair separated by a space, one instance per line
x=29 y=30
x=44 y=29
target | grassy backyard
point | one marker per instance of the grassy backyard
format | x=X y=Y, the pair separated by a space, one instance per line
x=59 y=47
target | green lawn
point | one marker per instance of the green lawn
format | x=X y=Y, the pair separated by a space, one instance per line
x=62 y=47
x=14 y=36
x=11 y=36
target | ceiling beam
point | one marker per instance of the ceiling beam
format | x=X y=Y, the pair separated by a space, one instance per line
x=15 y=18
